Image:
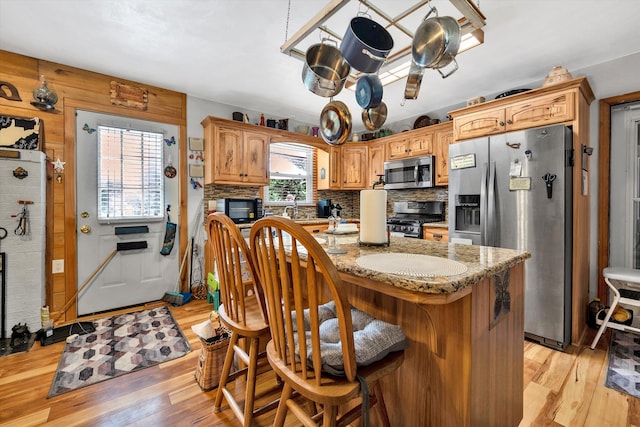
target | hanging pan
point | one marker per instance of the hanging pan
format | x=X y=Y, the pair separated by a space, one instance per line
x=325 y=70
x=374 y=118
x=414 y=79
x=335 y=123
x=436 y=42
x=369 y=91
x=366 y=44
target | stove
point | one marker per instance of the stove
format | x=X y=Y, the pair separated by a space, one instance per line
x=409 y=217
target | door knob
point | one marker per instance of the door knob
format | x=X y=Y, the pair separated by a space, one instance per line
x=84 y=214
x=85 y=229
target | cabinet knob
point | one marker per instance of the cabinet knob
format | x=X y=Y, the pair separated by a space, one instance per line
x=501 y=123
x=509 y=122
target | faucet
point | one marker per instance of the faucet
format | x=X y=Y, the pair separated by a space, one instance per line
x=295 y=210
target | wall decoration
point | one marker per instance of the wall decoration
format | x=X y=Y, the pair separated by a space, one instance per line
x=500 y=296
x=170 y=141
x=128 y=96
x=18 y=132
x=58 y=166
x=20 y=172
x=196 y=144
x=196 y=171
x=44 y=98
x=87 y=129
x=12 y=94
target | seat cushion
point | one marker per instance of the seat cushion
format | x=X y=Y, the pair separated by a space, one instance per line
x=373 y=339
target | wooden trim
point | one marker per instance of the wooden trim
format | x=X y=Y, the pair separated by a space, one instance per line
x=604 y=182
x=70 y=107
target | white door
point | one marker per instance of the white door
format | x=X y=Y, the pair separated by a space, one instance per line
x=624 y=222
x=132 y=276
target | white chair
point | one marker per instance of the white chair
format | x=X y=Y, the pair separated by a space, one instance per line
x=624 y=283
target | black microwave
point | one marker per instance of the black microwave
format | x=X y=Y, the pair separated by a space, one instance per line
x=416 y=172
x=241 y=211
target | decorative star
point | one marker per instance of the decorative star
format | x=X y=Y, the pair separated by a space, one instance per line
x=58 y=165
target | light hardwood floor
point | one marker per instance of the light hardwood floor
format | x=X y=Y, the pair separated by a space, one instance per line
x=561 y=389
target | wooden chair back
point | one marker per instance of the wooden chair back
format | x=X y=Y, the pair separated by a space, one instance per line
x=231 y=256
x=292 y=278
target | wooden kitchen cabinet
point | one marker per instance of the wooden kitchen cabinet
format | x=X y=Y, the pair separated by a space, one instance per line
x=376 y=161
x=539 y=111
x=443 y=137
x=410 y=144
x=436 y=234
x=234 y=155
x=349 y=167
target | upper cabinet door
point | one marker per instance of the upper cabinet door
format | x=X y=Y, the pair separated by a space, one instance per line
x=441 y=151
x=354 y=167
x=541 y=111
x=228 y=155
x=481 y=123
x=256 y=158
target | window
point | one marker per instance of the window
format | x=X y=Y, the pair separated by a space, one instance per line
x=291 y=168
x=130 y=174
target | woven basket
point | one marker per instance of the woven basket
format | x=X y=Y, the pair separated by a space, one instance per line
x=211 y=359
x=199 y=292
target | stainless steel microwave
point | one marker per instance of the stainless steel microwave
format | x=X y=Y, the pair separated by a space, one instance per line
x=416 y=172
x=241 y=211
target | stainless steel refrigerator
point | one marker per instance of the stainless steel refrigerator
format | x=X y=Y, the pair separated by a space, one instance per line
x=515 y=191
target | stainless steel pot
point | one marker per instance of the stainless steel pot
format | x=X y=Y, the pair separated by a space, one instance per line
x=369 y=91
x=366 y=45
x=374 y=118
x=436 y=42
x=325 y=70
x=335 y=123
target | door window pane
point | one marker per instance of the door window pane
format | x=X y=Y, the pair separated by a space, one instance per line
x=130 y=179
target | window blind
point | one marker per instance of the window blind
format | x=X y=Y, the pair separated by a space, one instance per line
x=130 y=178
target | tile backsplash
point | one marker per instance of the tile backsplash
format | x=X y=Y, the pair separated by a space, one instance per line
x=349 y=200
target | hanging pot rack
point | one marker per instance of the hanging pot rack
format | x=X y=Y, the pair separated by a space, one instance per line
x=472 y=20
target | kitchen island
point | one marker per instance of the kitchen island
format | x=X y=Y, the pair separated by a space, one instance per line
x=464 y=363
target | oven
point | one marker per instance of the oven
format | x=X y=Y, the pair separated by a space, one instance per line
x=409 y=217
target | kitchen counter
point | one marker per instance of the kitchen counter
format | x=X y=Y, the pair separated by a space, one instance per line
x=465 y=362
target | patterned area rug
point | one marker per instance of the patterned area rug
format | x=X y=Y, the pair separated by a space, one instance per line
x=120 y=345
x=623 y=373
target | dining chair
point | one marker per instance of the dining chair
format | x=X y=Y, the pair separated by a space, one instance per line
x=243 y=314
x=321 y=347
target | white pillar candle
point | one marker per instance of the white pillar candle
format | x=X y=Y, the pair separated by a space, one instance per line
x=373 y=216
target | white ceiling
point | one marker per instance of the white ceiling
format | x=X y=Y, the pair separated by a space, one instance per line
x=228 y=51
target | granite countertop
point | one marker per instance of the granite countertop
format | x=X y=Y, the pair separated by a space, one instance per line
x=481 y=262
x=436 y=224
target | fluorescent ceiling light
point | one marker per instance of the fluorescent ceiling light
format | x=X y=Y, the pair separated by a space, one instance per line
x=468 y=41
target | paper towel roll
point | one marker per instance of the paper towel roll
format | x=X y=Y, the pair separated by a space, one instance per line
x=373 y=216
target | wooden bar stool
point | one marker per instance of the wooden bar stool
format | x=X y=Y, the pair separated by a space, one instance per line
x=245 y=316
x=624 y=283
x=330 y=353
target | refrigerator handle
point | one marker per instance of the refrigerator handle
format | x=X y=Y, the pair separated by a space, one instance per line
x=483 y=205
x=415 y=173
x=491 y=207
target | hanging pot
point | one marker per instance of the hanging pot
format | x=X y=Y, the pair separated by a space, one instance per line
x=374 y=118
x=335 y=123
x=325 y=70
x=414 y=79
x=369 y=91
x=366 y=45
x=436 y=42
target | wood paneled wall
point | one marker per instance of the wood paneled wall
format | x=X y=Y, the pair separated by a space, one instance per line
x=86 y=90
